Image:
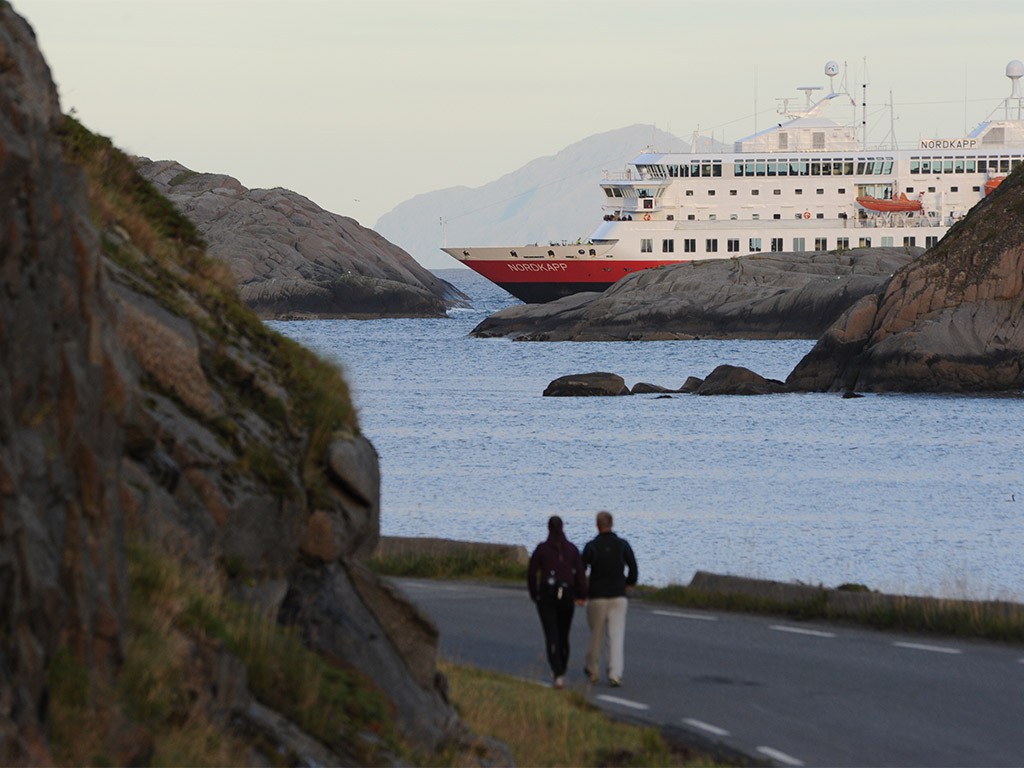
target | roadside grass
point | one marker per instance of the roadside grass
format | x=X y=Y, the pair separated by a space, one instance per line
x=476 y=566
x=988 y=620
x=545 y=727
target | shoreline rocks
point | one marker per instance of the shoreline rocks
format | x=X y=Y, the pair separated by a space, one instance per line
x=291 y=259
x=761 y=296
x=951 y=321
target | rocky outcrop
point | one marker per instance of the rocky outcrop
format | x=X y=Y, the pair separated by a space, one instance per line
x=63 y=395
x=735 y=380
x=597 y=384
x=292 y=259
x=143 y=408
x=762 y=296
x=951 y=321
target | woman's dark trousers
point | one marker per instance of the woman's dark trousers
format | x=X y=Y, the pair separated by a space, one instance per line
x=556 y=619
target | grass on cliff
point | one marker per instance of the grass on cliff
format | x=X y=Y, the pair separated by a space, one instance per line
x=185 y=633
x=161 y=253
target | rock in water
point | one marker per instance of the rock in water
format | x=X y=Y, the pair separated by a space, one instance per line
x=951 y=321
x=735 y=380
x=292 y=259
x=762 y=296
x=587 y=385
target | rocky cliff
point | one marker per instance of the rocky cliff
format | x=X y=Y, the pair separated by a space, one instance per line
x=186 y=499
x=292 y=259
x=764 y=296
x=951 y=321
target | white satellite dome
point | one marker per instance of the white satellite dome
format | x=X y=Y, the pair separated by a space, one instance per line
x=1015 y=71
x=832 y=68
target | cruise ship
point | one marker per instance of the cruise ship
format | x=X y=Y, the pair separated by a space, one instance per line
x=806 y=184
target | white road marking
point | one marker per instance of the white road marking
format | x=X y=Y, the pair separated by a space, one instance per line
x=801 y=631
x=677 y=615
x=623 y=702
x=932 y=648
x=706 y=726
x=782 y=757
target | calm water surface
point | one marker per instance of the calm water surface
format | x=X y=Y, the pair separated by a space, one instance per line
x=918 y=494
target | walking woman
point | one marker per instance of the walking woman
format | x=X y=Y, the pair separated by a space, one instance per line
x=557 y=585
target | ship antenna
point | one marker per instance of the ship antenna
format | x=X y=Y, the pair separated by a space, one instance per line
x=864 y=108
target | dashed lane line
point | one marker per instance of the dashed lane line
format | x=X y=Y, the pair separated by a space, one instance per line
x=931 y=648
x=700 y=724
x=622 y=702
x=801 y=631
x=678 y=615
x=778 y=756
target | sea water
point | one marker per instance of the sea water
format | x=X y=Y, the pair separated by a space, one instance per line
x=919 y=494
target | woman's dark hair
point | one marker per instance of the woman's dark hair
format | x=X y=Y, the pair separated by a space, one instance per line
x=554 y=524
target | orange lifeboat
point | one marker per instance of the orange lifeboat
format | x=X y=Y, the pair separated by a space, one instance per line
x=991 y=184
x=901 y=204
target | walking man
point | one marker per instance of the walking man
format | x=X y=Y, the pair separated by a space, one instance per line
x=557 y=584
x=613 y=575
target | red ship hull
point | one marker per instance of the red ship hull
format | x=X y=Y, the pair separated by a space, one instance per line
x=541 y=280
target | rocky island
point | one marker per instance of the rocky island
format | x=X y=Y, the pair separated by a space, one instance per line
x=950 y=320
x=291 y=259
x=762 y=296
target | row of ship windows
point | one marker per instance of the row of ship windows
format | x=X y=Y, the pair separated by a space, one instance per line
x=869 y=166
x=776 y=244
x=648 y=197
x=964 y=164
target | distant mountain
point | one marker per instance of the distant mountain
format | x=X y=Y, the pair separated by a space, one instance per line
x=548 y=199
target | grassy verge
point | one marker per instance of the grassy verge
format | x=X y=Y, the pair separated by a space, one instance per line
x=545 y=727
x=988 y=620
x=481 y=566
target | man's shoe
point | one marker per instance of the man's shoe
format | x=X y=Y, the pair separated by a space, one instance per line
x=559 y=682
x=614 y=682
x=591 y=676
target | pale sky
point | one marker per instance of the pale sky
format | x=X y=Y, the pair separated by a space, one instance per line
x=362 y=104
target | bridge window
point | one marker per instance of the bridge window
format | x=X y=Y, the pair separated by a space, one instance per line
x=646 y=245
x=732 y=245
x=690 y=245
x=668 y=246
x=711 y=245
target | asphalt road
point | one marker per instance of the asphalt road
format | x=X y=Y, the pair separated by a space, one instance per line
x=778 y=691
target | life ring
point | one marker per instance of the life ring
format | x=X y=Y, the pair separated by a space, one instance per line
x=807 y=214
x=647 y=217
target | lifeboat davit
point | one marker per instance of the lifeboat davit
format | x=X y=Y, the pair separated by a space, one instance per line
x=901 y=204
x=991 y=184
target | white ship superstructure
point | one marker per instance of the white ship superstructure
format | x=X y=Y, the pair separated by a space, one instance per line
x=806 y=184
